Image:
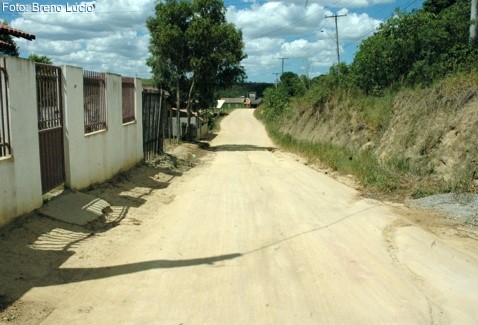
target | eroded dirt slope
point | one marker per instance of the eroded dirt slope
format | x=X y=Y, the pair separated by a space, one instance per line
x=435 y=129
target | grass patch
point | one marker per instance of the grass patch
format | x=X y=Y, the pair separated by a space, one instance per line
x=396 y=178
x=362 y=164
x=375 y=111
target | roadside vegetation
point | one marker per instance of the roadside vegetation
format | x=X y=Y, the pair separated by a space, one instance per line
x=398 y=117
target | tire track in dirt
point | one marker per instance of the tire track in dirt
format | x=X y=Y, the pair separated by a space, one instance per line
x=389 y=233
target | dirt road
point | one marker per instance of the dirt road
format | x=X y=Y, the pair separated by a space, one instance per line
x=256 y=237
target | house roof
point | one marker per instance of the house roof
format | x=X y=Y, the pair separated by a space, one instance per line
x=5 y=44
x=184 y=111
x=151 y=89
x=7 y=30
x=236 y=100
x=220 y=102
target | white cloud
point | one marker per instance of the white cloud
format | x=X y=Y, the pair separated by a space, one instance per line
x=289 y=29
x=275 y=19
x=332 y=3
x=113 y=37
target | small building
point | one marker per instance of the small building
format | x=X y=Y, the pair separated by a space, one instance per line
x=228 y=103
x=198 y=123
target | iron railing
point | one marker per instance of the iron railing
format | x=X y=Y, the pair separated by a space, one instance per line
x=50 y=125
x=49 y=101
x=153 y=124
x=94 y=88
x=128 y=99
x=5 y=147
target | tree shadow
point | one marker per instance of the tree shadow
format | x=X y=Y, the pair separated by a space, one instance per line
x=241 y=147
x=33 y=249
x=71 y=275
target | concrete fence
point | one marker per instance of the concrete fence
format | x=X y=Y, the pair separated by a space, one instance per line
x=88 y=158
x=98 y=156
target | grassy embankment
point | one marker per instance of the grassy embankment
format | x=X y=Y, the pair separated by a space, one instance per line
x=360 y=135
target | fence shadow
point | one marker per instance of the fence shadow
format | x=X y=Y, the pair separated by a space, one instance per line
x=130 y=189
x=33 y=247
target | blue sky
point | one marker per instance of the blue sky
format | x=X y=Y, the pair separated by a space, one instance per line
x=112 y=37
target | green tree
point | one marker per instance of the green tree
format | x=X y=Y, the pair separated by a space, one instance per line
x=11 y=50
x=276 y=102
x=416 y=48
x=292 y=84
x=169 y=52
x=193 y=46
x=40 y=58
x=436 y=6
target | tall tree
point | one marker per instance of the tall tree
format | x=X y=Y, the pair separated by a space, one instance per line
x=11 y=50
x=192 y=44
x=169 y=52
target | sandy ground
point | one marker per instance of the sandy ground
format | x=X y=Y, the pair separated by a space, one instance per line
x=250 y=236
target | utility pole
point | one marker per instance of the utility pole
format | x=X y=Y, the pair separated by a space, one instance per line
x=283 y=59
x=336 y=36
x=276 y=74
x=474 y=24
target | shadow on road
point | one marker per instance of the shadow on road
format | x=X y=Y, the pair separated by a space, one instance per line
x=70 y=275
x=240 y=147
x=33 y=249
x=42 y=245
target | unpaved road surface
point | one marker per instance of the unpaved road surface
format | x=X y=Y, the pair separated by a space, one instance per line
x=253 y=236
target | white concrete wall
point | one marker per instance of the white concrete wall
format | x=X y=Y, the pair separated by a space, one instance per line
x=89 y=159
x=96 y=157
x=20 y=180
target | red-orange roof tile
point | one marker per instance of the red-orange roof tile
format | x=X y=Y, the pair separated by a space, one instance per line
x=5 y=29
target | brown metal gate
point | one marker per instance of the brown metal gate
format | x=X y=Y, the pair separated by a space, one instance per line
x=50 y=126
x=153 y=123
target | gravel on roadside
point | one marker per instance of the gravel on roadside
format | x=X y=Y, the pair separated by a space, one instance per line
x=459 y=208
